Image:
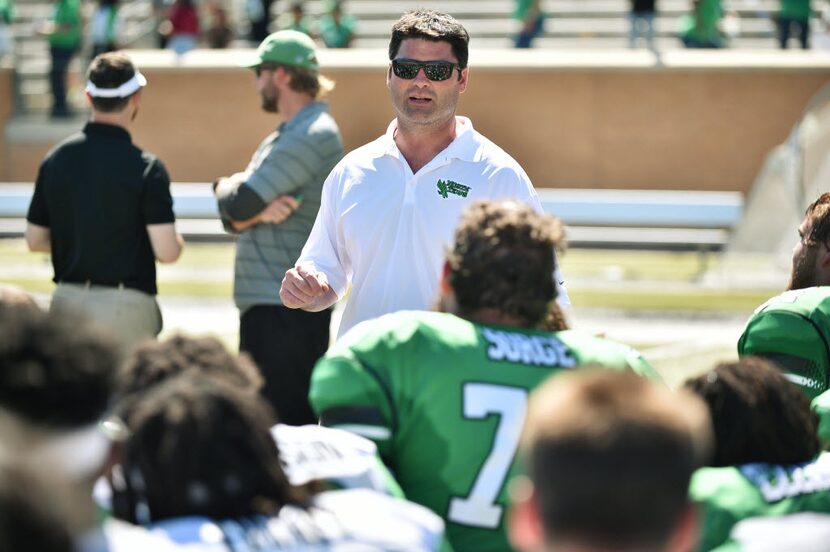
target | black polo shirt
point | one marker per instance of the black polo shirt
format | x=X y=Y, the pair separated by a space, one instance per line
x=97 y=192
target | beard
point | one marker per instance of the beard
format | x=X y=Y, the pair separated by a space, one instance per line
x=803 y=273
x=269 y=102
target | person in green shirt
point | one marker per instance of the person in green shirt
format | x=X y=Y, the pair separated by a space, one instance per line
x=443 y=394
x=532 y=19
x=701 y=27
x=767 y=461
x=609 y=457
x=794 y=15
x=793 y=329
x=64 y=35
x=336 y=28
x=6 y=18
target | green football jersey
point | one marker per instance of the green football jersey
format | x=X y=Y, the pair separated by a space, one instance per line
x=445 y=401
x=793 y=330
x=821 y=406
x=729 y=495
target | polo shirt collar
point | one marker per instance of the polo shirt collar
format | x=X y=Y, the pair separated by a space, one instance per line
x=310 y=111
x=104 y=129
x=465 y=147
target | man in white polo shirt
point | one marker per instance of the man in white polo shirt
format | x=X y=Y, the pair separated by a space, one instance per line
x=390 y=207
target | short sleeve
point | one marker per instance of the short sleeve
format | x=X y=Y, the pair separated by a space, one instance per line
x=349 y=395
x=158 y=203
x=38 y=210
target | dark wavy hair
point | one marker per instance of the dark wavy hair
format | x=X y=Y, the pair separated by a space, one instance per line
x=431 y=25
x=757 y=414
x=503 y=259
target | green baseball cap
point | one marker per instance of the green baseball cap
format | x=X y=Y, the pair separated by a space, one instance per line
x=286 y=48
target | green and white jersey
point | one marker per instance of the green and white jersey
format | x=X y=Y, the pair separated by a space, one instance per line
x=728 y=495
x=821 y=406
x=806 y=532
x=793 y=330
x=445 y=401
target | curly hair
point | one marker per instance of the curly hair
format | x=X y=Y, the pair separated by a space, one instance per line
x=199 y=446
x=434 y=26
x=757 y=414
x=154 y=362
x=504 y=259
x=58 y=370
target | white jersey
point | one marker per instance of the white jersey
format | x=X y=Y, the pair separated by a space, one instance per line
x=343 y=459
x=337 y=521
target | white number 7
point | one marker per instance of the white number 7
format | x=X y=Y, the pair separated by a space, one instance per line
x=480 y=400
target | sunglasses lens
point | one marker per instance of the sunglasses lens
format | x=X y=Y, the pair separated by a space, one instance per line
x=438 y=71
x=405 y=70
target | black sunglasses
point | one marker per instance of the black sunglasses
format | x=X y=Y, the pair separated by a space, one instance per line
x=434 y=70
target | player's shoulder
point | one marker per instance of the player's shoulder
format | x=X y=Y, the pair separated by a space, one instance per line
x=805 y=301
x=588 y=348
x=409 y=328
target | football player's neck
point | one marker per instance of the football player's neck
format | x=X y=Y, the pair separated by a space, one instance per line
x=493 y=316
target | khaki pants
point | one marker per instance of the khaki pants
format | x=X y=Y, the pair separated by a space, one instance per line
x=130 y=315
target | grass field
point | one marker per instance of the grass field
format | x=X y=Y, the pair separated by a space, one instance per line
x=630 y=288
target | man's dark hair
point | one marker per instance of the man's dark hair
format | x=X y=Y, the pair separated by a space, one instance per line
x=504 y=259
x=757 y=414
x=155 y=362
x=110 y=70
x=58 y=371
x=597 y=442
x=431 y=25
x=819 y=215
x=198 y=446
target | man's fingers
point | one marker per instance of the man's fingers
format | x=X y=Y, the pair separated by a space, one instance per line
x=289 y=201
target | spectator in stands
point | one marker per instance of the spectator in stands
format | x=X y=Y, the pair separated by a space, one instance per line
x=388 y=378
x=794 y=16
x=272 y=205
x=793 y=329
x=609 y=458
x=337 y=28
x=105 y=27
x=182 y=27
x=378 y=231
x=296 y=20
x=259 y=15
x=6 y=18
x=201 y=466
x=64 y=35
x=102 y=208
x=219 y=33
x=767 y=459
x=530 y=16
x=701 y=28
x=641 y=20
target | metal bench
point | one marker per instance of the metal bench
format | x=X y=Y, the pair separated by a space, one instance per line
x=626 y=219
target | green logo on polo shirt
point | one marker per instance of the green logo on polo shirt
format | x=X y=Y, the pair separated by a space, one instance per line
x=447 y=187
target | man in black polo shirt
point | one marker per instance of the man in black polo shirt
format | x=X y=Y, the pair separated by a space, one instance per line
x=102 y=207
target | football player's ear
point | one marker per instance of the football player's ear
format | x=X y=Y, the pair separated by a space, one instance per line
x=445 y=286
x=524 y=524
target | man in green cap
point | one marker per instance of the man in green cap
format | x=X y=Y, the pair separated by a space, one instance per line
x=272 y=205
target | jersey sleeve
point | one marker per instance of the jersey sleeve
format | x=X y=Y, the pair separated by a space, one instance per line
x=158 y=203
x=348 y=394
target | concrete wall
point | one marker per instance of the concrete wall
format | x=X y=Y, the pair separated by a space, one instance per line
x=690 y=120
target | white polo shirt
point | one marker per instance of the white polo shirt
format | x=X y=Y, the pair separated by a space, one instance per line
x=386 y=230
